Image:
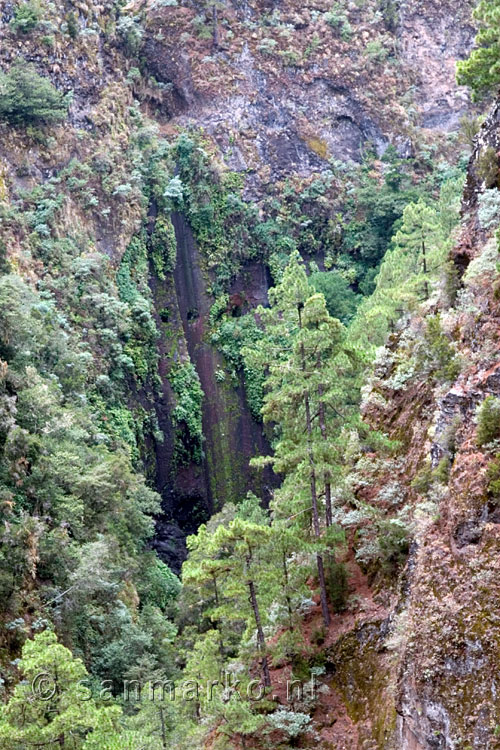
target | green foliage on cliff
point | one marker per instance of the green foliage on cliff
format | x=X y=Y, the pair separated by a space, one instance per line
x=411 y=268
x=28 y=98
x=77 y=515
x=132 y=280
x=91 y=251
x=488 y=421
x=187 y=413
x=26 y=16
x=232 y=336
x=163 y=247
x=341 y=300
x=481 y=70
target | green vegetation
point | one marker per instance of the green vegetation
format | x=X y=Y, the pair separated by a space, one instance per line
x=93 y=355
x=59 y=720
x=341 y=300
x=163 y=247
x=306 y=378
x=481 y=70
x=488 y=421
x=26 y=17
x=233 y=336
x=487 y=166
x=187 y=412
x=411 y=268
x=28 y=98
x=73 y=498
x=494 y=479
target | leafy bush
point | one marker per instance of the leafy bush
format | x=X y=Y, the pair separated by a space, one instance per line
x=487 y=166
x=341 y=301
x=394 y=542
x=289 y=722
x=337 y=19
x=163 y=247
x=26 y=17
x=439 y=354
x=493 y=474
x=233 y=336
x=72 y=24
x=158 y=585
x=488 y=421
x=337 y=586
x=489 y=208
x=28 y=98
x=187 y=412
x=131 y=32
x=469 y=128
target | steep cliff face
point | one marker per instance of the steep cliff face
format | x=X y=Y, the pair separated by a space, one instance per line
x=445 y=628
x=277 y=93
x=281 y=90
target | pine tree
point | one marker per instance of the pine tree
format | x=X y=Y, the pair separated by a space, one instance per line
x=61 y=714
x=206 y=574
x=418 y=234
x=243 y=540
x=481 y=70
x=305 y=390
x=228 y=563
x=415 y=260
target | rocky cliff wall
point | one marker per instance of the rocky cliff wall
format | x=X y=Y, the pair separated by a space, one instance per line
x=287 y=88
x=278 y=92
x=445 y=627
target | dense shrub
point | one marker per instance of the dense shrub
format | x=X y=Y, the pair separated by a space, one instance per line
x=341 y=301
x=26 y=17
x=487 y=166
x=488 y=420
x=158 y=585
x=489 y=209
x=337 y=586
x=438 y=354
x=131 y=32
x=26 y=97
x=394 y=543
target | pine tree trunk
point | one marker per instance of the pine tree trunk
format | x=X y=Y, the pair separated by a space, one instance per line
x=260 y=633
x=328 y=486
x=424 y=268
x=163 y=730
x=322 y=590
x=287 y=595
x=314 y=494
x=216 y=596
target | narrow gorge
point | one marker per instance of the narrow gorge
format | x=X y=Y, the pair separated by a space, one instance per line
x=249 y=375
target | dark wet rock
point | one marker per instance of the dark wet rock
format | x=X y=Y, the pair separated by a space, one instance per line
x=467 y=533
